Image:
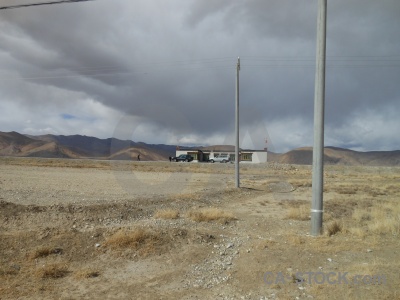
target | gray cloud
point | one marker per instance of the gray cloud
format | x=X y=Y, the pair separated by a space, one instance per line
x=142 y=58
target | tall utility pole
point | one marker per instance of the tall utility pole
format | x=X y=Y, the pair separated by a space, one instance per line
x=319 y=111
x=237 y=180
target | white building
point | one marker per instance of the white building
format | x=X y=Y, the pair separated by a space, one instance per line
x=206 y=153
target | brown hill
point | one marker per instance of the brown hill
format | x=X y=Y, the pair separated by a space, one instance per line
x=77 y=146
x=339 y=156
x=132 y=154
x=13 y=143
x=16 y=144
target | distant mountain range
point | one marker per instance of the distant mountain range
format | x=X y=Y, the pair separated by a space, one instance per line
x=78 y=146
x=339 y=156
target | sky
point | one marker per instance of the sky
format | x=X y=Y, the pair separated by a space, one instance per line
x=165 y=71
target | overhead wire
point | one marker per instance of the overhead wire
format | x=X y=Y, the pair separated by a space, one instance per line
x=42 y=3
x=248 y=62
x=387 y=61
x=141 y=68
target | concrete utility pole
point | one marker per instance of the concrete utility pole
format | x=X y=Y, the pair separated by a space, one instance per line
x=237 y=180
x=319 y=110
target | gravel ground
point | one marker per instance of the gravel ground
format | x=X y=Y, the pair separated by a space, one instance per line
x=64 y=214
x=46 y=186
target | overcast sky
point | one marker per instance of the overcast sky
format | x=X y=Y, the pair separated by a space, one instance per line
x=164 y=71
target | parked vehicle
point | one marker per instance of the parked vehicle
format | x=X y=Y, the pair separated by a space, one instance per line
x=183 y=157
x=223 y=158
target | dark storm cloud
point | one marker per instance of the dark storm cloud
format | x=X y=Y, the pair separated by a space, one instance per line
x=137 y=57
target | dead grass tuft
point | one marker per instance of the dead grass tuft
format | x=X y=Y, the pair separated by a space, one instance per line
x=346 y=190
x=357 y=231
x=385 y=219
x=210 y=214
x=295 y=239
x=300 y=213
x=382 y=218
x=129 y=239
x=334 y=227
x=327 y=216
x=374 y=192
x=4 y=271
x=86 y=273
x=144 y=241
x=305 y=183
x=53 y=271
x=392 y=189
x=45 y=251
x=340 y=208
x=166 y=214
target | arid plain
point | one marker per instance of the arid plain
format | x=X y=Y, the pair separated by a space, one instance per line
x=86 y=229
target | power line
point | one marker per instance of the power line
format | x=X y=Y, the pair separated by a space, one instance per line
x=136 y=69
x=218 y=63
x=42 y=3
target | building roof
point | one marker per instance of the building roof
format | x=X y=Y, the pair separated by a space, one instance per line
x=218 y=148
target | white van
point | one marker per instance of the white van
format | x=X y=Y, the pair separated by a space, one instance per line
x=224 y=158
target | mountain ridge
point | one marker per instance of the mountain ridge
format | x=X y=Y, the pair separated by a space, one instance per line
x=81 y=146
x=339 y=156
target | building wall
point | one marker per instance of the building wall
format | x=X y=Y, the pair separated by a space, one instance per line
x=257 y=156
x=179 y=152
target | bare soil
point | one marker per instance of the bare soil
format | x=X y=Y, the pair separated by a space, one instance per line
x=85 y=229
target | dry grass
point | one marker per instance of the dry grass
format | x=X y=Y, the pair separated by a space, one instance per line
x=55 y=162
x=86 y=273
x=7 y=271
x=144 y=241
x=361 y=216
x=305 y=183
x=381 y=218
x=346 y=190
x=333 y=244
x=295 y=239
x=333 y=228
x=376 y=192
x=341 y=207
x=327 y=216
x=45 y=251
x=130 y=239
x=385 y=219
x=357 y=231
x=52 y=271
x=210 y=214
x=392 y=189
x=166 y=214
x=300 y=213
